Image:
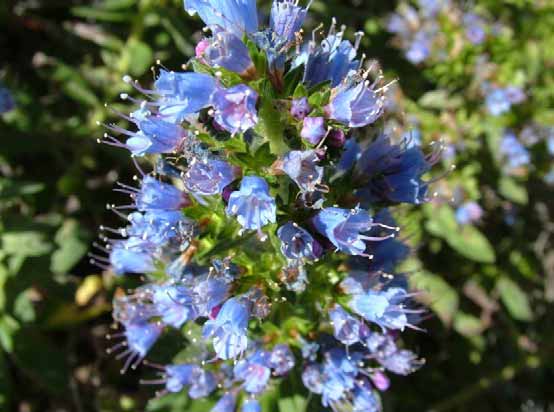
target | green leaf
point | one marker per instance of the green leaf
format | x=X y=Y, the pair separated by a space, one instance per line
x=472 y=244
x=8 y=327
x=440 y=296
x=23 y=308
x=514 y=299
x=295 y=403
x=513 y=191
x=25 y=243
x=136 y=58
x=271 y=128
x=467 y=325
x=72 y=243
x=440 y=100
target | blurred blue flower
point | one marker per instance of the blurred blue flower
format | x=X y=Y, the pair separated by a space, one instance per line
x=7 y=102
x=468 y=213
x=281 y=359
x=346 y=327
x=254 y=371
x=300 y=108
x=156 y=195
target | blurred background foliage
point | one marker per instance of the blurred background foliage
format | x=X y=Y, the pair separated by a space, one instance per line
x=489 y=282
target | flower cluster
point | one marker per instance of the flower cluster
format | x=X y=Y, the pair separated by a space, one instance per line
x=263 y=187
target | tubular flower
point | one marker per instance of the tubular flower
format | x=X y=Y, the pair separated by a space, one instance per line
x=244 y=155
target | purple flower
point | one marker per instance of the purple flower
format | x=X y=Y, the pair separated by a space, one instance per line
x=235 y=16
x=468 y=213
x=301 y=166
x=254 y=371
x=281 y=360
x=313 y=129
x=228 y=330
x=297 y=243
x=336 y=138
x=380 y=380
x=235 y=108
x=286 y=19
x=340 y=371
x=384 y=308
x=252 y=204
x=346 y=327
x=228 y=51
x=300 y=108
x=344 y=228
x=182 y=94
x=398 y=361
x=209 y=177
x=156 y=195
x=355 y=104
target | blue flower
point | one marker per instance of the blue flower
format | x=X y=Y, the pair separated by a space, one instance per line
x=7 y=102
x=286 y=19
x=340 y=371
x=251 y=405
x=235 y=108
x=132 y=255
x=392 y=173
x=155 y=136
x=300 y=108
x=202 y=383
x=346 y=327
x=228 y=51
x=475 y=28
x=229 y=329
x=140 y=337
x=344 y=228
x=156 y=195
x=401 y=362
x=235 y=16
x=355 y=103
x=252 y=204
x=332 y=60
x=226 y=403
x=513 y=152
x=209 y=177
x=350 y=155
x=468 y=213
x=364 y=398
x=497 y=102
x=312 y=378
x=156 y=227
x=297 y=243
x=209 y=294
x=313 y=129
x=183 y=93
x=281 y=360
x=420 y=47
x=301 y=166
x=384 y=308
x=173 y=304
x=254 y=371
x=178 y=376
